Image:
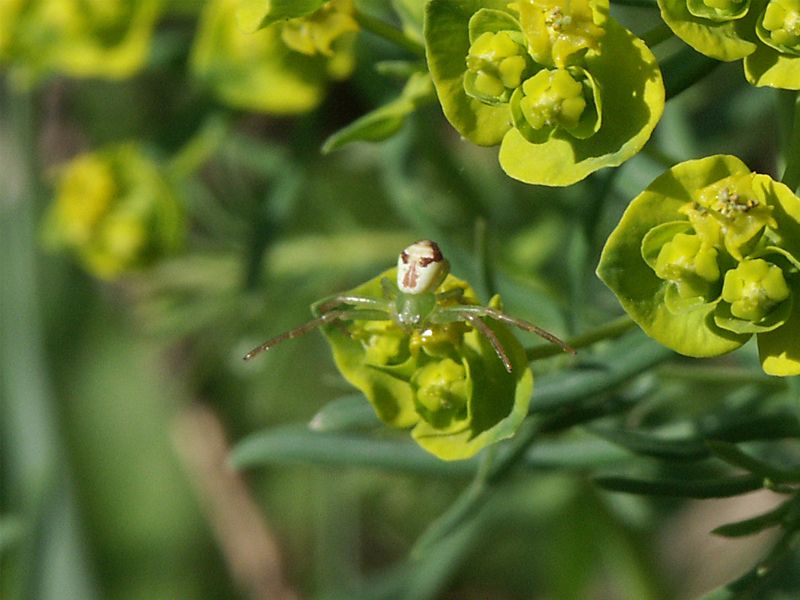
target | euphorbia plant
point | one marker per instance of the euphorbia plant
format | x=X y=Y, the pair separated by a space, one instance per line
x=707 y=256
x=766 y=34
x=562 y=87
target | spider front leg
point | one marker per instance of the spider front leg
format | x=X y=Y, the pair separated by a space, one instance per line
x=328 y=317
x=323 y=306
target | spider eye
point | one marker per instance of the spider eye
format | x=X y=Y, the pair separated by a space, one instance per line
x=421 y=268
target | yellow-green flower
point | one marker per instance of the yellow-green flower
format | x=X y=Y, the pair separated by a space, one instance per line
x=80 y=38
x=688 y=263
x=754 y=288
x=318 y=32
x=281 y=69
x=115 y=211
x=729 y=213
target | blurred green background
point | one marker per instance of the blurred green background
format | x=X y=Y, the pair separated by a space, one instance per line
x=122 y=397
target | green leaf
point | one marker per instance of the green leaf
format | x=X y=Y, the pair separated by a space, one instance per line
x=723 y=40
x=723 y=487
x=652 y=445
x=632 y=91
x=754 y=524
x=12 y=530
x=768 y=67
x=732 y=454
x=779 y=350
x=659 y=235
x=639 y=290
x=386 y=120
x=412 y=16
x=447 y=45
x=253 y=15
x=296 y=444
x=345 y=414
x=487 y=20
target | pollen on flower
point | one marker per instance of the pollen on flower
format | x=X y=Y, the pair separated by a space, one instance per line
x=559 y=32
x=728 y=214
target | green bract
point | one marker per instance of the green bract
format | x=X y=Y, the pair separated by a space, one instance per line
x=110 y=38
x=707 y=256
x=283 y=68
x=115 y=210
x=534 y=76
x=445 y=382
x=765 y=33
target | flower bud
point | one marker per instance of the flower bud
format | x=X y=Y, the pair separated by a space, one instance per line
x=690 y=264
x=780 y=25
x=441 y=391
x=495 y=63
x=754 y=288
x=317 y=32
x=552 y=99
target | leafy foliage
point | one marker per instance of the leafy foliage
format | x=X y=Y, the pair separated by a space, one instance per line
x=179 y=160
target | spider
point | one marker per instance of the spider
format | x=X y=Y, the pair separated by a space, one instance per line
x=413 y=304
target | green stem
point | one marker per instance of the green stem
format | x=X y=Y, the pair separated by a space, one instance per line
x=388 y=32
x=791 y=176
x=40 y=483
x=487 y=278
x=200 y=147
x=607 y=331
x=659 y=33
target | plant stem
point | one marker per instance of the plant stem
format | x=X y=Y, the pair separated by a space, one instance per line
x=791 y=176
x=200 y=147
x=487 y=279
x=388 y=32
x=610 y=330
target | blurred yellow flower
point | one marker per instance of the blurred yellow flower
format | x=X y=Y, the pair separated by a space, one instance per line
x=80 y=38
x=115 y=211
x=258 y=71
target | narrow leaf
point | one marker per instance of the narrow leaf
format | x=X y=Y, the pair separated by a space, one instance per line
x=345 y=414
x=733 y=455
x=722 y=487
x=385 y=121
x=754 y=524
x=299 y=445
x=651 y=445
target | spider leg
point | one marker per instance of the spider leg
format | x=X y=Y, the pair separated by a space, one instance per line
x=328 y=304
x=485 y=311
x=487 y=332
x=328 y=317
